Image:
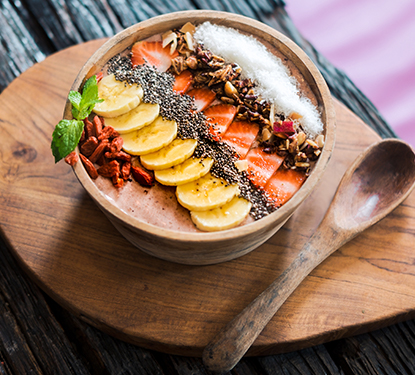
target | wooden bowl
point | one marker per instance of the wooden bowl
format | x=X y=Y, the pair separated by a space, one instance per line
x=213 y=247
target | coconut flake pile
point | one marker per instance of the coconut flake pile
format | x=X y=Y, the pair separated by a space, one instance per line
x=273 y=80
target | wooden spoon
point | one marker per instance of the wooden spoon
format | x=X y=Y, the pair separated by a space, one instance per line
x=377 y=182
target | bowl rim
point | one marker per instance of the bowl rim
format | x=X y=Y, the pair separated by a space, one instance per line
x=263 y=31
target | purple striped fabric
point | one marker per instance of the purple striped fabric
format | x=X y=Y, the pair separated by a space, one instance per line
x=373 y=42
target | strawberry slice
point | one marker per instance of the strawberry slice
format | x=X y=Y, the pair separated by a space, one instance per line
x=261 y=165
x=218 y=118
x=183 y=81
x=240 y=135
x=203 y=97
x=283 y=185
x=153 y=54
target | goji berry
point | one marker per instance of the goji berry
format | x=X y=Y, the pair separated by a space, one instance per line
x=72 y=158
x=99 y=76
x=99 y=151
x=82 y=139
x=108 y=132
x=97 y=126
x=88 y=128
x=110 y=169
x=92 y=171
x=143 y=177
x=117 y=181
x=89 y=146
x=126 y=170
x=116 y=144
x=120 y=155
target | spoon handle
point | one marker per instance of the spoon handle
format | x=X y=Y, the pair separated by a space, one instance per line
x=228 y=347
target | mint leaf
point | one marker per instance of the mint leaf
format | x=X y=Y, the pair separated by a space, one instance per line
x=65 y=137
x=75 y=98
x=89 y=98
x=67 y=133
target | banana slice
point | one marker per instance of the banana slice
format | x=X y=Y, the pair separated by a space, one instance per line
x=228 y=216
x=173 y=154
x=119 y=97
x=206 y=193
x=188 y=171
x=151 y=138
x=142 y=115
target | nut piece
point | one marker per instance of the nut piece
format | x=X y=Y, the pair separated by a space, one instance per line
x=266 y=134
x=191 y=62
x=188 y=28
x=178 y=65
x=301 y=138
x=320 y=141
x=312 y=143
x=189 y=40
x=230 y=89
x=241 y=165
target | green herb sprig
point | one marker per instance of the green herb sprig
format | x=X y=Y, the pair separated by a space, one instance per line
x=67 y=133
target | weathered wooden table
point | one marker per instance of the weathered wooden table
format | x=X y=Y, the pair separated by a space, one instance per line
x=39 y=336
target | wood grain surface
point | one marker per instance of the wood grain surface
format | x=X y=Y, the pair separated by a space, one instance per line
x=72 y=251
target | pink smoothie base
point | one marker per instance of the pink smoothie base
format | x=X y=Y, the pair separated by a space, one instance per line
x=372 y=42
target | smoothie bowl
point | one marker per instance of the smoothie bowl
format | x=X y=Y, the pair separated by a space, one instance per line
x=213 y=129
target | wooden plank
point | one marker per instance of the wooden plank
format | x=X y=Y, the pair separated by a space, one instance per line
x=313 y=361
x=13 y=342
x=27 y=326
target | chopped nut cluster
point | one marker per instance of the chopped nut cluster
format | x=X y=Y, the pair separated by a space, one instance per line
x=225 y=80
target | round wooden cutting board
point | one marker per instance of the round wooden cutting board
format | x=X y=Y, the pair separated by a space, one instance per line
x=69 y=248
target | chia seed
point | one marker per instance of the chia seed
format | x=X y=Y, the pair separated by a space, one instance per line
x=158 y=89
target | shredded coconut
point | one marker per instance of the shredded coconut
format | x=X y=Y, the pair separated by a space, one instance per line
x=273 y=80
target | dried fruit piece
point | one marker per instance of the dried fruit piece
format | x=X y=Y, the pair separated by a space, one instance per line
x=110 y=169
x=71 y=158
x=108 y=132
x=99 y=151
x=99 y=76
x=120 y=155
x=116 y=144
x=90 y=168
x=286 y=127
x=117 y=181
x=89 y=146
x=88 y=128
x=97 y=126
x=143 y=177
x=126 y=170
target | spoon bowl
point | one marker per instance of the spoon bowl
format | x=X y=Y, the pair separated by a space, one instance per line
x=378 y=181
x=380 y=177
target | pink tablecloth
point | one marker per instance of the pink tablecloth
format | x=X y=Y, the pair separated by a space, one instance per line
x=373 y=41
